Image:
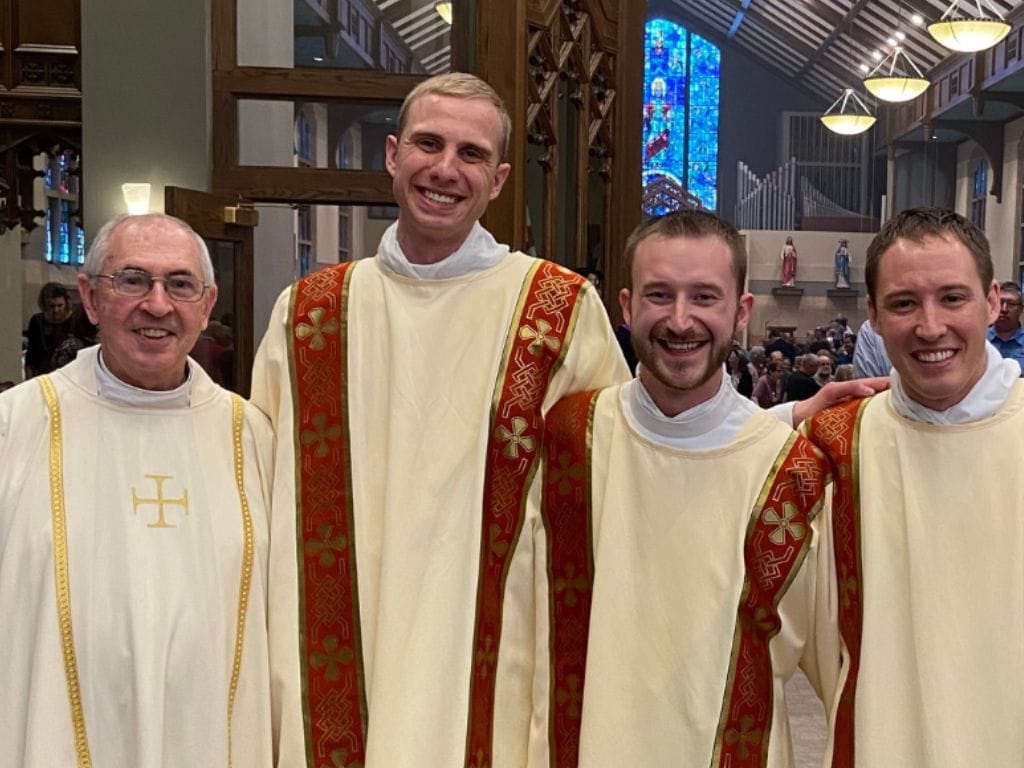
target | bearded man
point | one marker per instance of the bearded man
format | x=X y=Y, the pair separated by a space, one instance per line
x=683 y=525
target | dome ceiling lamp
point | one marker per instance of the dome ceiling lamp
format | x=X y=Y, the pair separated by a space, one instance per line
x=896 y=78
x=966 y=34
x=444 y=10
x=848 y=115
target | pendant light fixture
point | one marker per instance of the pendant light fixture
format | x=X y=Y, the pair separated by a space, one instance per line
x=848 y=115
x=444 y=10
x=896 y=78
x=968 y=35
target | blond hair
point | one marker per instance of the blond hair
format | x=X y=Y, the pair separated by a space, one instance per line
x=460 y=85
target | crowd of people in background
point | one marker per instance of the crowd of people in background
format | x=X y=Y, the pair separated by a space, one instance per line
x=782 y=369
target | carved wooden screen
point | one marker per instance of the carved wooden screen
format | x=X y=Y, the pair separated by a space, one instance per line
x=572 y=87
x=40 y=96
x=579 y=62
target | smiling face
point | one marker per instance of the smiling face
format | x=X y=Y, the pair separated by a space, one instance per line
x=683 y=310
x=146 y=340
x=446 y=168
x=932 y=311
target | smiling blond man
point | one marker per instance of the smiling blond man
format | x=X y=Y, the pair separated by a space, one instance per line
x=928 y=526
x=407 y=391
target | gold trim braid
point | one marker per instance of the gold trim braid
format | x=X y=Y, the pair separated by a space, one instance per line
x=60 y=572
x=237 y=422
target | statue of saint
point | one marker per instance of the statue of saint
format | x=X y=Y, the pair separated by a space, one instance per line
x=789 y=263
x=842 y=268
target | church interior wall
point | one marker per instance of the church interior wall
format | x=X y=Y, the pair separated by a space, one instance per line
x=146 y=100
x=752 y=102
x=267 y=137
x=815 y=277
x=925 y=175
x=1005 y=230
x=1000 y=215
x=13 y=306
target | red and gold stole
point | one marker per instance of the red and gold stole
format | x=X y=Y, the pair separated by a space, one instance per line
x=777 y=540
x=535 y=349
x=837 y=432
x=331 y=653
x=776 y=543
x=566 y=512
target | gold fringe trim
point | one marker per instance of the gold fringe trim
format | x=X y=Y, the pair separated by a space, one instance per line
x=60 y=572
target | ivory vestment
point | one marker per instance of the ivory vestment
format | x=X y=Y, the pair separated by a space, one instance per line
x=154 y=610
x=694 y=554
x=423 y=358
x=932 y=609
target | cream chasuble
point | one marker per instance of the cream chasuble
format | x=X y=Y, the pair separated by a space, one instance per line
x=157 y=585
x=402 y=561
x=710 y=582
x=930 y=555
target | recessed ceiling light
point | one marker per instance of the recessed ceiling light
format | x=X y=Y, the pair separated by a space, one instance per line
x=318 y=58
x=891 y=42
x=865 y=68
x=901 y=35
x=876 y=55
x=917 y=19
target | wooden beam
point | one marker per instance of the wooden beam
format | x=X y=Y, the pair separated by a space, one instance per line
x=369 y=86
x=322 y=186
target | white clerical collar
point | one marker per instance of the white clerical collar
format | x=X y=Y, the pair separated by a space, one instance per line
x=985 y=398
x=111 y=388
x=478 y=251
x=709 y=425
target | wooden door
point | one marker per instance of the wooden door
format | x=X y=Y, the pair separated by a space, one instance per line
x=225 y=350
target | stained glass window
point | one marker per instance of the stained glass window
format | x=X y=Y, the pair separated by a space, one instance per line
x=680 y=140
x=979 y=193
x=64 y=239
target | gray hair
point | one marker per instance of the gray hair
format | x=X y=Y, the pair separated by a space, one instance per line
x=100 y=248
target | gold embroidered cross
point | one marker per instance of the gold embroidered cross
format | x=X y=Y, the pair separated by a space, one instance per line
x=159 y=501
x=316 y=329
x=540 y=338
x=515 y=439
x=784 y=523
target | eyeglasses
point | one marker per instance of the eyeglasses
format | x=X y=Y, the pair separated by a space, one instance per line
x=137 y=283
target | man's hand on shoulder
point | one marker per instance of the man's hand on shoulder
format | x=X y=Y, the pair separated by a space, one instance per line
x=836 y=392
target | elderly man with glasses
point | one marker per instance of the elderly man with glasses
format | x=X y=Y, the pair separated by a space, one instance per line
x=133 y=531
x=1006 y=333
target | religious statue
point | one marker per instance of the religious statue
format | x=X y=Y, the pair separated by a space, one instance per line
x=789 y=263
x=842 y=269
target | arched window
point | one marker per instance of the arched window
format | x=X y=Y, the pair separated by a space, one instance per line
x=681 y=95
x=979 y=192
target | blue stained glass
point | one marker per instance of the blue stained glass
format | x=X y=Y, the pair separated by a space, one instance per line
x=49 y=234
x=65 y=235
x=680 y=120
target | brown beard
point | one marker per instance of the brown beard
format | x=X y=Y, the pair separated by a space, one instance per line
x=645 y=354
